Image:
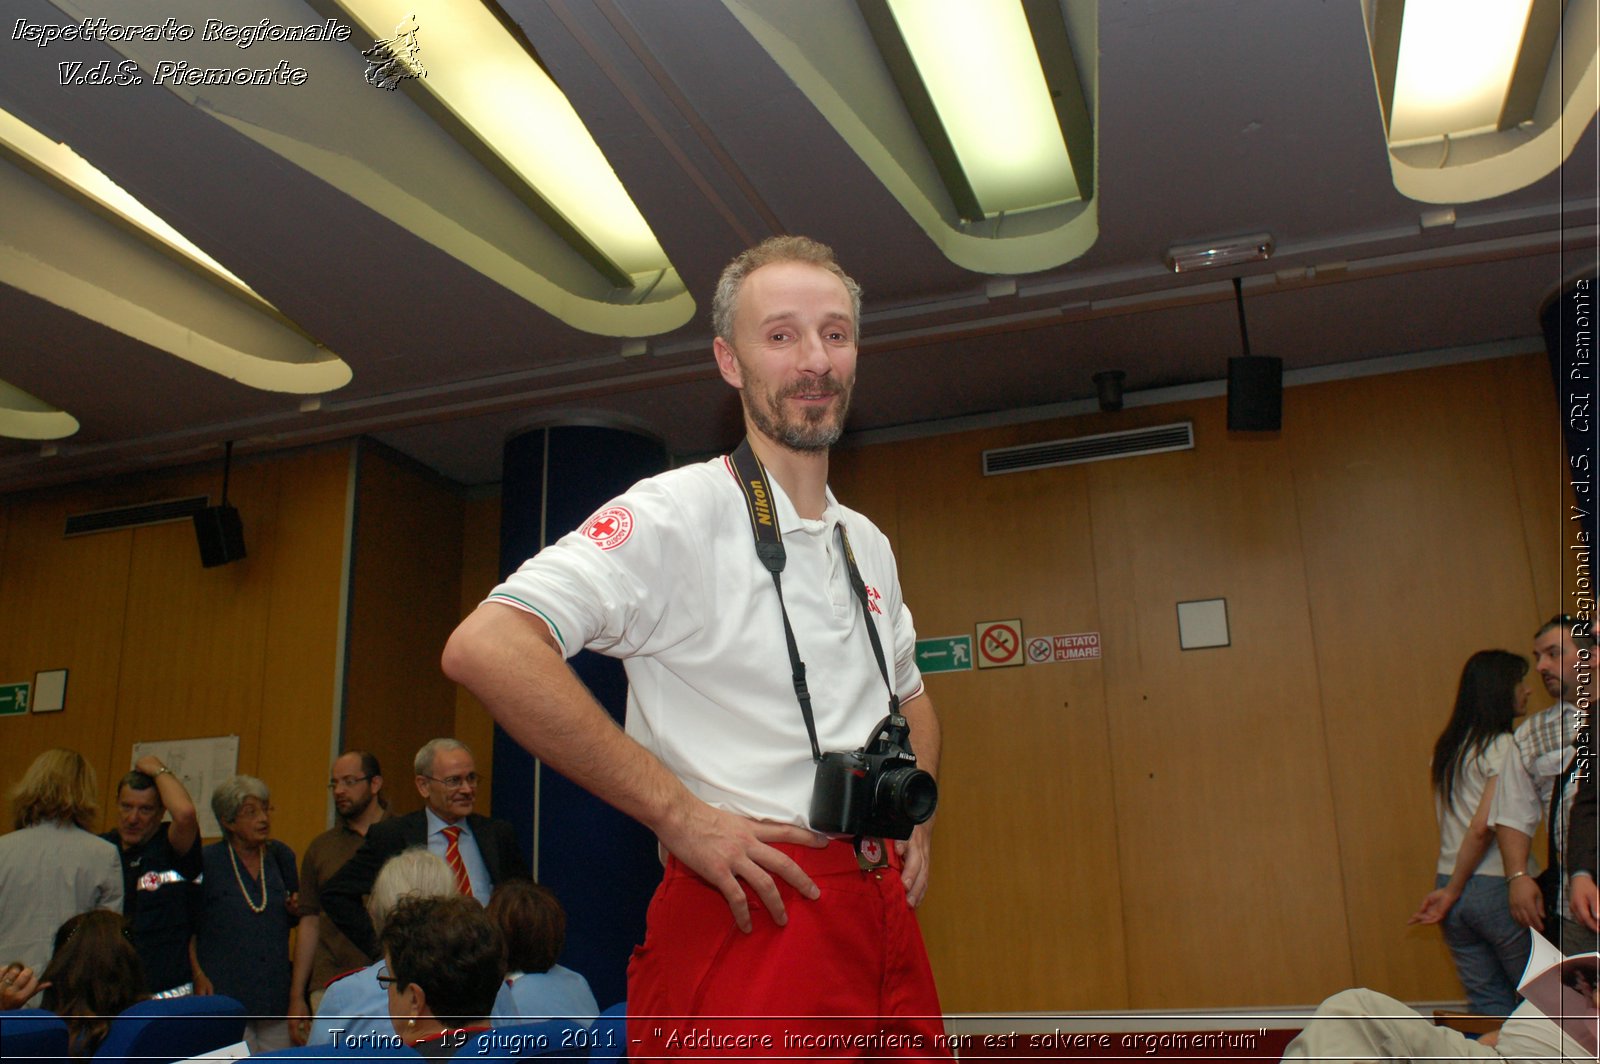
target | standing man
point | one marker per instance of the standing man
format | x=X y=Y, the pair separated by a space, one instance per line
x=481 y=852
x=718 y=754
x=1540 y=777
x=160 y=865
x=322 y=952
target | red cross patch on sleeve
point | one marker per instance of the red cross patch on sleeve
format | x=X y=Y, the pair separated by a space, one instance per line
x=610 y=528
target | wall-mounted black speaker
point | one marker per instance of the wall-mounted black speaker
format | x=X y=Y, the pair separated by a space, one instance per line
x=1255 y=394
x=220 y=534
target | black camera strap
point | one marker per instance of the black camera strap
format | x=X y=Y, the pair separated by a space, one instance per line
x=769 y=549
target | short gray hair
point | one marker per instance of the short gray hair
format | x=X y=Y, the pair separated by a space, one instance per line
x=423 y=762
x=230 y=795
x=725 y=303
x=413 y=873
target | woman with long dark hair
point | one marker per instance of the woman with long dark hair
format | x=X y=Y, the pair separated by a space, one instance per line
x=94 y=974
x=1490 y=948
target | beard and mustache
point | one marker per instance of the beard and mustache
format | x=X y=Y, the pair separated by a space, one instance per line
x=813 y=428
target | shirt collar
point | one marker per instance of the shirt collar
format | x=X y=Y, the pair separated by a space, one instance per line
x=383 y=814
x=437 y=823
x=789 y=519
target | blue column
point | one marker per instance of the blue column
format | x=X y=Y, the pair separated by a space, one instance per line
x=601 y=864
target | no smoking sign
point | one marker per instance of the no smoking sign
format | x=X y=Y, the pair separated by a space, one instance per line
x=999 y=644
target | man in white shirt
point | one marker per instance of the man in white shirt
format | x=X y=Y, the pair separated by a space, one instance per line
x=1545 y=764
x=716 y=759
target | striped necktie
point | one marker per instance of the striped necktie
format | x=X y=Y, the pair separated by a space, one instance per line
x=452 y=857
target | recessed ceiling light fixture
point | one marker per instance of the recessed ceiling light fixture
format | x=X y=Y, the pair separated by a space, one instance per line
x=72 y=228
x=1182 y=258
x=1481 y=97
x=995 y=94
x=486 y=82
x=1454 y=68
x=22 y=417
x=68 y=167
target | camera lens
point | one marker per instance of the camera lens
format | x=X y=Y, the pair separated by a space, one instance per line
x=910 y=792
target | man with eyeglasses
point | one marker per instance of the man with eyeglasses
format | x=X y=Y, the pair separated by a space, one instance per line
x=1540 y=777
x=322 y=952
x=160 y=864
x=480 y=851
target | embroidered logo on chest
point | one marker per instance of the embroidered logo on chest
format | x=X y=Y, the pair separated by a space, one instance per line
x=873 y=598
x=610 y=528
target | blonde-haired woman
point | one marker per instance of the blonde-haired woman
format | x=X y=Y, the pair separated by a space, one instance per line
x=53 y=867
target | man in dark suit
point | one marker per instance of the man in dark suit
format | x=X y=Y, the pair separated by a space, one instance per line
x=481 y=852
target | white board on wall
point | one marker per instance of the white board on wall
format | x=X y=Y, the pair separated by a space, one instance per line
x=200 y=765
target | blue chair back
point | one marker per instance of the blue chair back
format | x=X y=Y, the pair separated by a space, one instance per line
x=559 y=1039
x=38 y=1035
x=608 y=1035
x=161 y=1031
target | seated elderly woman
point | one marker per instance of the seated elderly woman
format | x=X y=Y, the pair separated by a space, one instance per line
x=247 y=906
x=356 y=1005
x=94 y=974
x=536 y=987
x=445 y=960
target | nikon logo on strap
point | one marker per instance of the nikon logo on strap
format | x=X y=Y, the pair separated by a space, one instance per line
x=760 y=504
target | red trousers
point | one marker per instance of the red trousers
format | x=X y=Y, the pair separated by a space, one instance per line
x=847 y=976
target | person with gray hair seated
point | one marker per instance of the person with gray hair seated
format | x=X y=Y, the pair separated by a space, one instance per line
x=249 y=903
x=356 y=1005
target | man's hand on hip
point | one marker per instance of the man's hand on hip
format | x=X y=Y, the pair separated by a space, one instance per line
x=724 y=849
x=914 y=855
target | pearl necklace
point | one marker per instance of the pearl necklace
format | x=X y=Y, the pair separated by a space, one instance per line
x=239 y=879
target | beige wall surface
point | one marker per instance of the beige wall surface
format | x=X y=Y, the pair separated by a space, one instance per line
x=1237 y=826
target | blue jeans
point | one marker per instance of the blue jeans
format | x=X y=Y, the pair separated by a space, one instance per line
x=1489 y=947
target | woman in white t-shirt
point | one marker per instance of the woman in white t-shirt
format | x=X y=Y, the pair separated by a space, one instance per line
x=1489 y=947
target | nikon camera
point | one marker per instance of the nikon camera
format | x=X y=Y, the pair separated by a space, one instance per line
x=877 y=790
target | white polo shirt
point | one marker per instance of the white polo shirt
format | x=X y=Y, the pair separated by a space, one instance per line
x=666 y=578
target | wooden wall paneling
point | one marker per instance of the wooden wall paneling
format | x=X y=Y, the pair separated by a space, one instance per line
x=1023 y=911
x=869 y=480
x=306 y=534
x=63 y=602
x=1230 y=868
x=1530 y=416
x=1416 y=558
x=405 y=600
x=195 y=638
x=480 y=571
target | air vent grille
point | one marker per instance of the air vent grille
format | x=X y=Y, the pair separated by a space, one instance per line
x=1154 y=440
x=144 y=513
